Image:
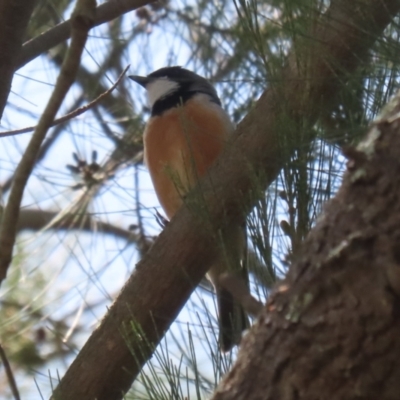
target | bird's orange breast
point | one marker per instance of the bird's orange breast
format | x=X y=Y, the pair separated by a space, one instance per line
x=181 y=145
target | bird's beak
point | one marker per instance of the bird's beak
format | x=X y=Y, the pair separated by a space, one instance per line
x=141 y=80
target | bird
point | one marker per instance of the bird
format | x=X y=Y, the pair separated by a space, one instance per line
x=186 y=132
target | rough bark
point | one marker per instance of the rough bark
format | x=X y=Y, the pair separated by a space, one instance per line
x=331 y=330
x=164 y=279
x=14 y=18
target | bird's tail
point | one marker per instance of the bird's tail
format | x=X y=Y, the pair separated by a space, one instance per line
x=232 y=319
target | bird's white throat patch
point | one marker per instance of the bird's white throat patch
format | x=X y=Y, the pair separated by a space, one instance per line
x=160 y=88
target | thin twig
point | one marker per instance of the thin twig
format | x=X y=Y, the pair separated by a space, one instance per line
x=5 y=187
x=9 y=373
x=81 y=21
x=70 y=115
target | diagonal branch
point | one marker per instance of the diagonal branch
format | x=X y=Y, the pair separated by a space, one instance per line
x=10 y=374
x=114 y=354
x=82 y=20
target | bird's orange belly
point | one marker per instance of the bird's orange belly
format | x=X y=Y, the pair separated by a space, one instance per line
x=179 y=148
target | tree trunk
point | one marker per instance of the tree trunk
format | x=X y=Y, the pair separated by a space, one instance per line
x=332 y=328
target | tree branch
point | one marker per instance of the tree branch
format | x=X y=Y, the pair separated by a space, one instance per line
x=81 y=22
x=10 y=374
x=165 y=278
x=37 y=220
x=14 y=18
x=105 y=12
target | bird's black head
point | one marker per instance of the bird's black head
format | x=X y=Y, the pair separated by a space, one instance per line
x=172 y=86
